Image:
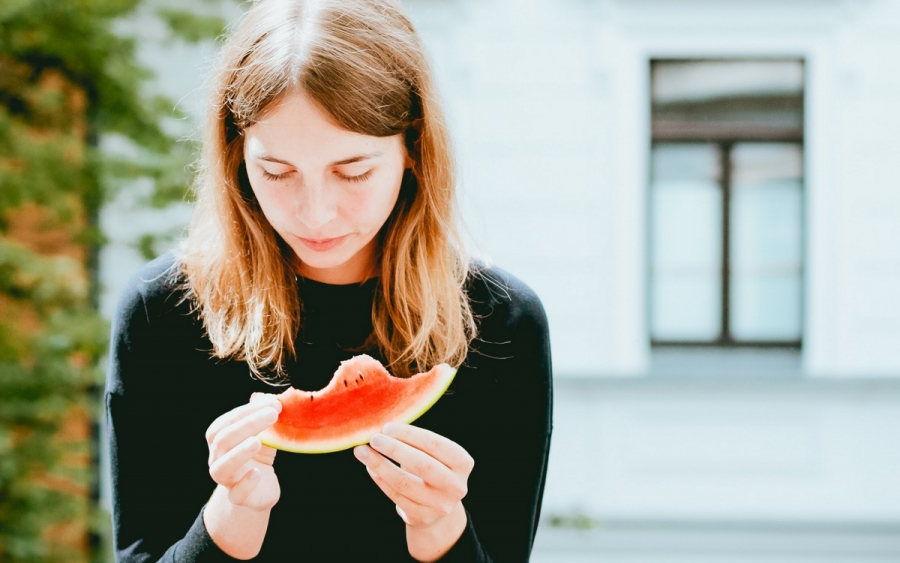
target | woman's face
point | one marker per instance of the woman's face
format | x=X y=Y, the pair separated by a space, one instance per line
x=326 y=190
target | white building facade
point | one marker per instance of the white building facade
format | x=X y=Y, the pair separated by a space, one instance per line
x=683 y=453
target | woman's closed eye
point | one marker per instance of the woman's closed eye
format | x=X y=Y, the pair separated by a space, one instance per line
x=354 y=178
x=345 y=177
x=275 y=177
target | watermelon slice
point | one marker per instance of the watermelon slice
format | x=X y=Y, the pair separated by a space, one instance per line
x=361 y=398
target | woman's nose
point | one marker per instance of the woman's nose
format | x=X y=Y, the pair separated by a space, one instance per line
x=315 y=207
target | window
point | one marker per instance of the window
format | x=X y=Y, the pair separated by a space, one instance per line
x=726 y=202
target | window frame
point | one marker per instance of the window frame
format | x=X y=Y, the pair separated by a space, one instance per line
x=724 y=140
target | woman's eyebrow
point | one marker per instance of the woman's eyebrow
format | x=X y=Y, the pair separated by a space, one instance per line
x=357 y=158
x=351 y=160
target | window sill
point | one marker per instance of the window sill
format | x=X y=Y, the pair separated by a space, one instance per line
x=723 y=363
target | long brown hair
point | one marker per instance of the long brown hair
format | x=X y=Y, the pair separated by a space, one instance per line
x=363 y=62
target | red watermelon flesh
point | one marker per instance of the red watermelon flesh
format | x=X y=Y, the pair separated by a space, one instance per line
x=361 y=398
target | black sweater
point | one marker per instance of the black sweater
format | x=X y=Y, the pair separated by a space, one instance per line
x=164 y=389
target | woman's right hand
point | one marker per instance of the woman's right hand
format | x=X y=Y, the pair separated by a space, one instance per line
x=237 y=459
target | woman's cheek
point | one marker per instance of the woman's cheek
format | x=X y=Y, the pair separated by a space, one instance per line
x=358 y=201
x=357 y=206
x=382 y=199
x=275 y=206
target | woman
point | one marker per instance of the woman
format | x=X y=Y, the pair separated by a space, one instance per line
x=324 y=227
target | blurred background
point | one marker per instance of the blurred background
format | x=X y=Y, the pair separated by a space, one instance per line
x=703 y=193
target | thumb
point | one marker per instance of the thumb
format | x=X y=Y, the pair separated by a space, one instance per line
x=271 y=397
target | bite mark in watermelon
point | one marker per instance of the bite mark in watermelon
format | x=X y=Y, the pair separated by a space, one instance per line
x=360 y=398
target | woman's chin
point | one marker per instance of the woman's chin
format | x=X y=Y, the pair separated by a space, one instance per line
x=331 y=269
x=345 y=263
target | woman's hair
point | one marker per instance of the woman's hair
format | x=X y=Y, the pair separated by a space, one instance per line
x=362 y=61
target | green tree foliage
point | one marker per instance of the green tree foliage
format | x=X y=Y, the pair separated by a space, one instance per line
x=67 y=81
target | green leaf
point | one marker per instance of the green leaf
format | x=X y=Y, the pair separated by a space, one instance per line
x=68 y=80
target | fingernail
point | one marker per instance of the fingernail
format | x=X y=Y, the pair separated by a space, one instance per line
x=253 y=445
x=271 y=415
x=277 y=405
x=391 y=428
x=378 y=441
x=360 y=452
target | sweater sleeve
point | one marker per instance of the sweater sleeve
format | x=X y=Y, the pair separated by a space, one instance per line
x=504 y=505
x=153 y=517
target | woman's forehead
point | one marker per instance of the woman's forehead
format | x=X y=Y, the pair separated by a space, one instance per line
x=298 y=130
x=256 y=149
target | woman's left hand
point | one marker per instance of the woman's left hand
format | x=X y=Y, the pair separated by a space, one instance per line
x=432 y=478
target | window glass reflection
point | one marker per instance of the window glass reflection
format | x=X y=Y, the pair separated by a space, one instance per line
x=686 y=202
x=766 y=214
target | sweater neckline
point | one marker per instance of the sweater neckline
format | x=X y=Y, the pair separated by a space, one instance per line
x=307 y=285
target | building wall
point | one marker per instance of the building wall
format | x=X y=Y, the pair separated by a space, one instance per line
x=550 y=101
x=550 y=106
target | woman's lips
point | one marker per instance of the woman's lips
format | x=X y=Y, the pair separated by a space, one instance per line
x=321 y=245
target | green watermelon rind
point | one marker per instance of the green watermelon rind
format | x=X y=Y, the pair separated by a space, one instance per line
x=364 y=436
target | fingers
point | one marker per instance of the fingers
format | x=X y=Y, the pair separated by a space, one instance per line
x=265 y=455
x=399 y=499
x=238 y=424
x=257 y=402
x=232 y=466
x=241 y=491
x=440 y=448
x=417 y=462
x=414 y=512
x=432 y=477
x=232 y=435
x=403 y=515
x=403 y=482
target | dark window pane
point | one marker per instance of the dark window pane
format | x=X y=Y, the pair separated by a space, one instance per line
x=720 y=99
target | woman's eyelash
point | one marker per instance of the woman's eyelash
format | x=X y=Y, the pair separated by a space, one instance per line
x=275 y=177
x=361 y=178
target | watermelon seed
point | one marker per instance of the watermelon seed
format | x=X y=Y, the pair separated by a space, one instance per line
x=311 y=397
x=345 y=383
x=361 y=376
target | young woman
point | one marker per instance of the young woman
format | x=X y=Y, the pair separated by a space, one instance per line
x=325 y=227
